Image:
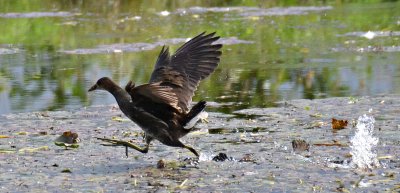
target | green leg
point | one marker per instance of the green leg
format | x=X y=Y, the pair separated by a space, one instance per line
x=204 y=120
x=192 y=150
x=113 y=142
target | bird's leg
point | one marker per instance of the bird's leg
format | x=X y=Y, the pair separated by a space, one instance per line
x=126 y=144
x=192 y=150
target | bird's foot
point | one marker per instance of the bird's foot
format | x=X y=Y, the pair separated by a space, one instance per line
x=203 y=117
x=205 y=120
x=126 y=144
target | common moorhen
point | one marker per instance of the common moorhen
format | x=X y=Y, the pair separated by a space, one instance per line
x=161 y=107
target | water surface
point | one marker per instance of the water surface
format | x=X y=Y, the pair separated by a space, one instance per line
x=52 y=51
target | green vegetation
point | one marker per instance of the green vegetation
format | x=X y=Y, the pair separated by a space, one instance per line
x=292 y=55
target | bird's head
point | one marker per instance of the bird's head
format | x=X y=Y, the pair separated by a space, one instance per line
x=104 y=83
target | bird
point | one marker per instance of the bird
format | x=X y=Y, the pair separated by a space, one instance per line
x=161 y=107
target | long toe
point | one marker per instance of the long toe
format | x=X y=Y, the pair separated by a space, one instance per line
x=192 y=150
x=114 y=142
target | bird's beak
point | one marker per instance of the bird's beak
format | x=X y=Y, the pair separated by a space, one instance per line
x=94 y=87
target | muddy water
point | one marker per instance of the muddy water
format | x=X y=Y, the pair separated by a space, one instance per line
x=257 y=142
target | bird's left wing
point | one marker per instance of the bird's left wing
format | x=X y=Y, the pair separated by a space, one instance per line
x=191 y=63
x=153 y=94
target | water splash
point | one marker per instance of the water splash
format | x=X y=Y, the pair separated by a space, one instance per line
x=207 y=156
x=363 y=143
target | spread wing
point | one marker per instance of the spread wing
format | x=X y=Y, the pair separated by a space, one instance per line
x=154 y=98
x=190 y=64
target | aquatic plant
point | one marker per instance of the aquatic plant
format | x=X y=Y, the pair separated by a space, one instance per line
x=362 y=144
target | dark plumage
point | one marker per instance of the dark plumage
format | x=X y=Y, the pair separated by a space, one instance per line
x=161 y=107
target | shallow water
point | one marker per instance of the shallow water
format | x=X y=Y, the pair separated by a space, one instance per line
x=259 y=160
x=277 y=54
x=52 y=51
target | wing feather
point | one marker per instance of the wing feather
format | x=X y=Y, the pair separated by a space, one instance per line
x=154 y=93
x=191 y=63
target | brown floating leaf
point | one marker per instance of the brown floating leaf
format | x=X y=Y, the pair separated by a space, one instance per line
x=300 y=145
x=4 y=136
x=335 y=143
x=248 y=158
x=43 y=133
x=338 y=124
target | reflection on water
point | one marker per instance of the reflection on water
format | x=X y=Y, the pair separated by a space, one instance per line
x=52 y=51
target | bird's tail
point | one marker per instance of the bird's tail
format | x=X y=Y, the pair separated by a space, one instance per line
x=194 y=115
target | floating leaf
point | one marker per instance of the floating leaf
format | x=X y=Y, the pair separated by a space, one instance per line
x=22 y=133
x=316 y=115
x=66 y=170
x=335 y=143
x=316 y=124
x=119 y=119
x=61 y=144
x=385 y=157
x=42 y=133
x=4 y=136
x=33 y=149
x=352 y=100
x=248 y=158
x=68 y=139
x=6 y=151
x=338 y=124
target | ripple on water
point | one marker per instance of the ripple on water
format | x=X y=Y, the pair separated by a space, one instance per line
x=37 y=14
x=255 y=11
x=140 y=46
x=4 y=51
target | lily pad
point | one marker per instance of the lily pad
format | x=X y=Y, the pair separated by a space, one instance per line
x=68 y=139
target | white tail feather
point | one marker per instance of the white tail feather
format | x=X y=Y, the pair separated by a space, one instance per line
x=201 y=116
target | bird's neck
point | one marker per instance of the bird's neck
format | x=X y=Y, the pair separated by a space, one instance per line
x=120 y=95
x=124 y=102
